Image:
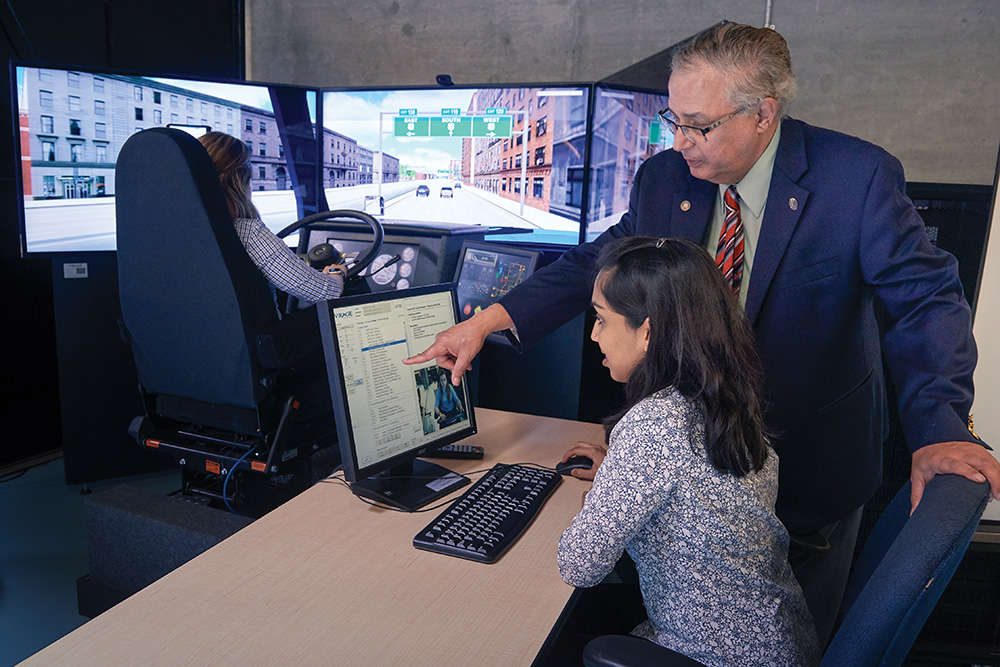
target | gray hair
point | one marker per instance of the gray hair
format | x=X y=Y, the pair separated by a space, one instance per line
x=755 y=60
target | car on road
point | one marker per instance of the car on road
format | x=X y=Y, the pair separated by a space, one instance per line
x=423 y=191
x=447 y=192
x=458 y=185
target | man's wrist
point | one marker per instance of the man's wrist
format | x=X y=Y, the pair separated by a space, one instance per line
x=494 y=318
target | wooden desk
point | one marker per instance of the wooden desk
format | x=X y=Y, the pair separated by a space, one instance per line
x=327 y=580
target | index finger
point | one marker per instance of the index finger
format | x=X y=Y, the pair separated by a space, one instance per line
x=428 y=354
x=583 y=449
x=978 y=466
x=991 y=470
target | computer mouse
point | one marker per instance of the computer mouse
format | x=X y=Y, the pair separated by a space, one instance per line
x=574 y=462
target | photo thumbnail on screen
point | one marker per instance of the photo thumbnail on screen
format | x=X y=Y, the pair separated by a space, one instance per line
x=441 y=405
x=627 y=132
x=73 y=123
x=499 y=157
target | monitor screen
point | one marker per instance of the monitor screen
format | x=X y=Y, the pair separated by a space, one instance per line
x=497 y=157
x=74 y=122
x=487 y=271
x=389 y=413
x=626 y=133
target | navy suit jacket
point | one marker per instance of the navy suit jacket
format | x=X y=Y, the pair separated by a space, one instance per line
x=838 y=233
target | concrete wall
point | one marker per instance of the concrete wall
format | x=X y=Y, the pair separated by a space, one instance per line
x=917 y=77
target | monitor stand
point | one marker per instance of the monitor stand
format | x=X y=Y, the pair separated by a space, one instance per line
x=410 y=486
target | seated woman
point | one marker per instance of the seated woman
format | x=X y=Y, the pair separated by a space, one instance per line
x=688 y=483
x=447 y=406
x=282 y=268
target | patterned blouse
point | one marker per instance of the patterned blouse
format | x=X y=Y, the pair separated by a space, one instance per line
x=282 y=268
x=711 y=555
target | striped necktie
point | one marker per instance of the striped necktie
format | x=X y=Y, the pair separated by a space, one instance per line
x=729 y=256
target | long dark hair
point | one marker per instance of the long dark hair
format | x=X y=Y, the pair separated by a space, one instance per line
x=231 y=158
x=699 y=342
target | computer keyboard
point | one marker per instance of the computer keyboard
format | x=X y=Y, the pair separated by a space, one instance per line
x=488 y=518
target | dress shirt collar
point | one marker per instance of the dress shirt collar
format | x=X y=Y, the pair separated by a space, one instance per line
x=754 y=187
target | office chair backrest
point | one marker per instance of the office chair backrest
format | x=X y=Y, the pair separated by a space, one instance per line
x=903 y=569
x=192 y=300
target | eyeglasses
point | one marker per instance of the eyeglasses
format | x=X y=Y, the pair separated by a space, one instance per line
x=696 y=134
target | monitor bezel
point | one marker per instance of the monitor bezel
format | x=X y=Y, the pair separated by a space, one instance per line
x=12 y=66
x=338 y=390
x=624 y=87
x=585 y=85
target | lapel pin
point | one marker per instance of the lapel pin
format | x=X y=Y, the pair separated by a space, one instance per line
x=685 y=205
x=793 y=204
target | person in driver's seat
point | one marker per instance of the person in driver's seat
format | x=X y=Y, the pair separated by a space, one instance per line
x=447 y=405
x=282 y=267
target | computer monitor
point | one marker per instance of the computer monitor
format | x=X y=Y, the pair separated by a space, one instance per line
x=626 y=133
x=388 y=413
x=487 y=271
x=493 y=156
x=73 y=122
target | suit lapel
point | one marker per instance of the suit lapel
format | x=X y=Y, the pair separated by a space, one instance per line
x=692 y=210
x=785 y=202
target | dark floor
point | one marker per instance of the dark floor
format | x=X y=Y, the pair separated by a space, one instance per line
x=43 y=551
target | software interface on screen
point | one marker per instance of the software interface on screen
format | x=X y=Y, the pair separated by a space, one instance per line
x=627 y=132
x=392 y=408
x=73 y=123
x=507 y=157
x=486 y=273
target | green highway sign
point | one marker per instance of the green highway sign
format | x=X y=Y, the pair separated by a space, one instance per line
x=492 y=126
x=451 y=126
x=407 y=112
x=496 y=111
x=655 y=132
x=451 y=112
x=411 y=126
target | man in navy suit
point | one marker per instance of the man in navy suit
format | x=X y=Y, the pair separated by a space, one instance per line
x=827 y=232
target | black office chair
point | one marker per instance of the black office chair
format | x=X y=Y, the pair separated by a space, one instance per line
x=903 y=569
x=236 y=393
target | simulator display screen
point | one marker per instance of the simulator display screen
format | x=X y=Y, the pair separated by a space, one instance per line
x=627 y=132
x=508 y=157
x=73 y=123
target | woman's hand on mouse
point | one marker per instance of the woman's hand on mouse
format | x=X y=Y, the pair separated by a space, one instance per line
x=595 y=453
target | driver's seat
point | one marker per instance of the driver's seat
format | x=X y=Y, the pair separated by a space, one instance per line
x=233 y=391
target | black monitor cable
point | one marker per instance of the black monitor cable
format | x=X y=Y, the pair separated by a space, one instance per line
x=24 y=35
x=338 y=478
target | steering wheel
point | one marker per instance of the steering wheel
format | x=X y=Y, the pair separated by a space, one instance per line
x=333 y=220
